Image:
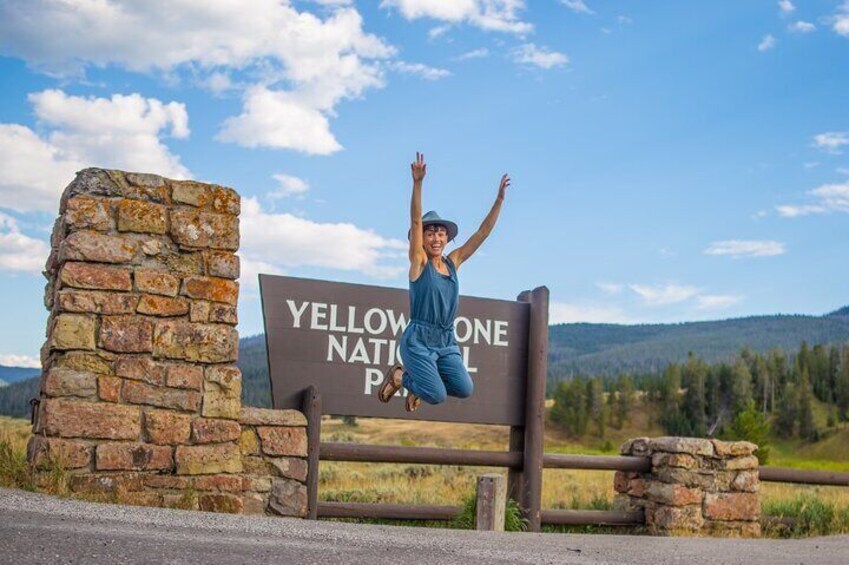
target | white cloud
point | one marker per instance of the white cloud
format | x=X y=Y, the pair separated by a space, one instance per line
x=473 y=54
x=843 y=170
x=577 y=6
x=661 y=295
x=767 y=43
x=840 y=21
x=424 y=71
x=834 y=197
x=792 y=211
x=278 y=119
x=811 y=164
x=249 y=271
x=12 y=360
x=19 y=252
x=218 y=83
x=563 y=313
x=34 y=171
x=122 y=132
x=491 y=15
x=530 y=54
x=320 y=60
x=832 y=141
x=829 y=198
x=786 y=6
x=610 y=288
x=285 y=241
x=63 y=37
x=743 y=248
x=289 y=186
x=438 y=31
x=717 y=301
x=802 y=27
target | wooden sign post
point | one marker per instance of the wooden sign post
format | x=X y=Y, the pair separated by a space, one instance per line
x=330 y=344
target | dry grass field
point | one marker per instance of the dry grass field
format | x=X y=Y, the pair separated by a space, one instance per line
x=433 y=484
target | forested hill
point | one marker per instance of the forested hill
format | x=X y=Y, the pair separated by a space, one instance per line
x=609 y=349
x=10 y=375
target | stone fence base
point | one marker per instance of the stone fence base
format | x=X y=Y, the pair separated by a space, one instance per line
x=264 y=472
x=695 y=486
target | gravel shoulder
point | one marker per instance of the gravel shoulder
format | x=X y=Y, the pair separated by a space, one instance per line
x=37 y=528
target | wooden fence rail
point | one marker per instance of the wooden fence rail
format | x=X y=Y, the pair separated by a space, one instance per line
x=597 y=462
x=802 y=476
x=426 y=455
x=446 y=513
x=329 y=451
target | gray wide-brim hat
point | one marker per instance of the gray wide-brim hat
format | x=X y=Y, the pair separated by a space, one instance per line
x=432 y=217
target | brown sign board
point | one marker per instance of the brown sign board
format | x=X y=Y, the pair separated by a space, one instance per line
x=341 y=338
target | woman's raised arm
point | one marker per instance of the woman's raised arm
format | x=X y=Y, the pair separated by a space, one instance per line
x=416 y=252
x=462 y=253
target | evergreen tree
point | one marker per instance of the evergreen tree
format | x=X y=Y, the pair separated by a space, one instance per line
x=818 y=372
x=713 y=399
x=802 y=359
x=777 y=366
x=670 y=388
x=787 y=409
x=751 y=425
x=611 y=408
x=596 y=406
x=570 y=407
x=841 y=387
x=760 y=383
x=559 y=413
x=693 y=409
x=833 y=372
x=741 y=387
x=624 y=400
x=807 y=429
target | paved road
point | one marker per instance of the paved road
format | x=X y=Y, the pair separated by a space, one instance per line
x=40 y=529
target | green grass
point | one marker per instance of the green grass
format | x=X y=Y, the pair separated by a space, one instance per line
x=513 y=520
x=805 y=515
x=14 y=470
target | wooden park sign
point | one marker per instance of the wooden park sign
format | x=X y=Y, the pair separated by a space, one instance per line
x=329 y=345
x=341 y=338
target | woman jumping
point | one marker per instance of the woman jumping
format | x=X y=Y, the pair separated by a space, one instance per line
x=433 y=367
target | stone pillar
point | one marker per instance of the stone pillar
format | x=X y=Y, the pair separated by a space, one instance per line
x=695 y=486
x=139 y=392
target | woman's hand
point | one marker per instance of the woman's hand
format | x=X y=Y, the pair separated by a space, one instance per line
x=502 y=189
x=419 y=167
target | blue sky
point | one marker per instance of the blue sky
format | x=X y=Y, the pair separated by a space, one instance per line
x=671 y=161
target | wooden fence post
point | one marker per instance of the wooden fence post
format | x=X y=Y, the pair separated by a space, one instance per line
x=514 y=474
x=491 y=502
x=311 y=407
x=535 y=405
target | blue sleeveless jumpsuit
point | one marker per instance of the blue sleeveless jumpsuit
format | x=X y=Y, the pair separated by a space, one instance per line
x=433 y=366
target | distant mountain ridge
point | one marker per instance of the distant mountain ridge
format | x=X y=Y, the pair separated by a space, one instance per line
x=11 y=375
x=609 y=349
x=841 y=312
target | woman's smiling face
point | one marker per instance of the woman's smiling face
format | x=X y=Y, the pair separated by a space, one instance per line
x=435 y=239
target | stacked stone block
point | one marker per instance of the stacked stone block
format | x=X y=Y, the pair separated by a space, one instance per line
x=139 y=393
x=695 y=486
x=274 y=466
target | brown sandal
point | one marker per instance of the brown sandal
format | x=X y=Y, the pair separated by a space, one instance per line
x=390 y=385
x=412 y=403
